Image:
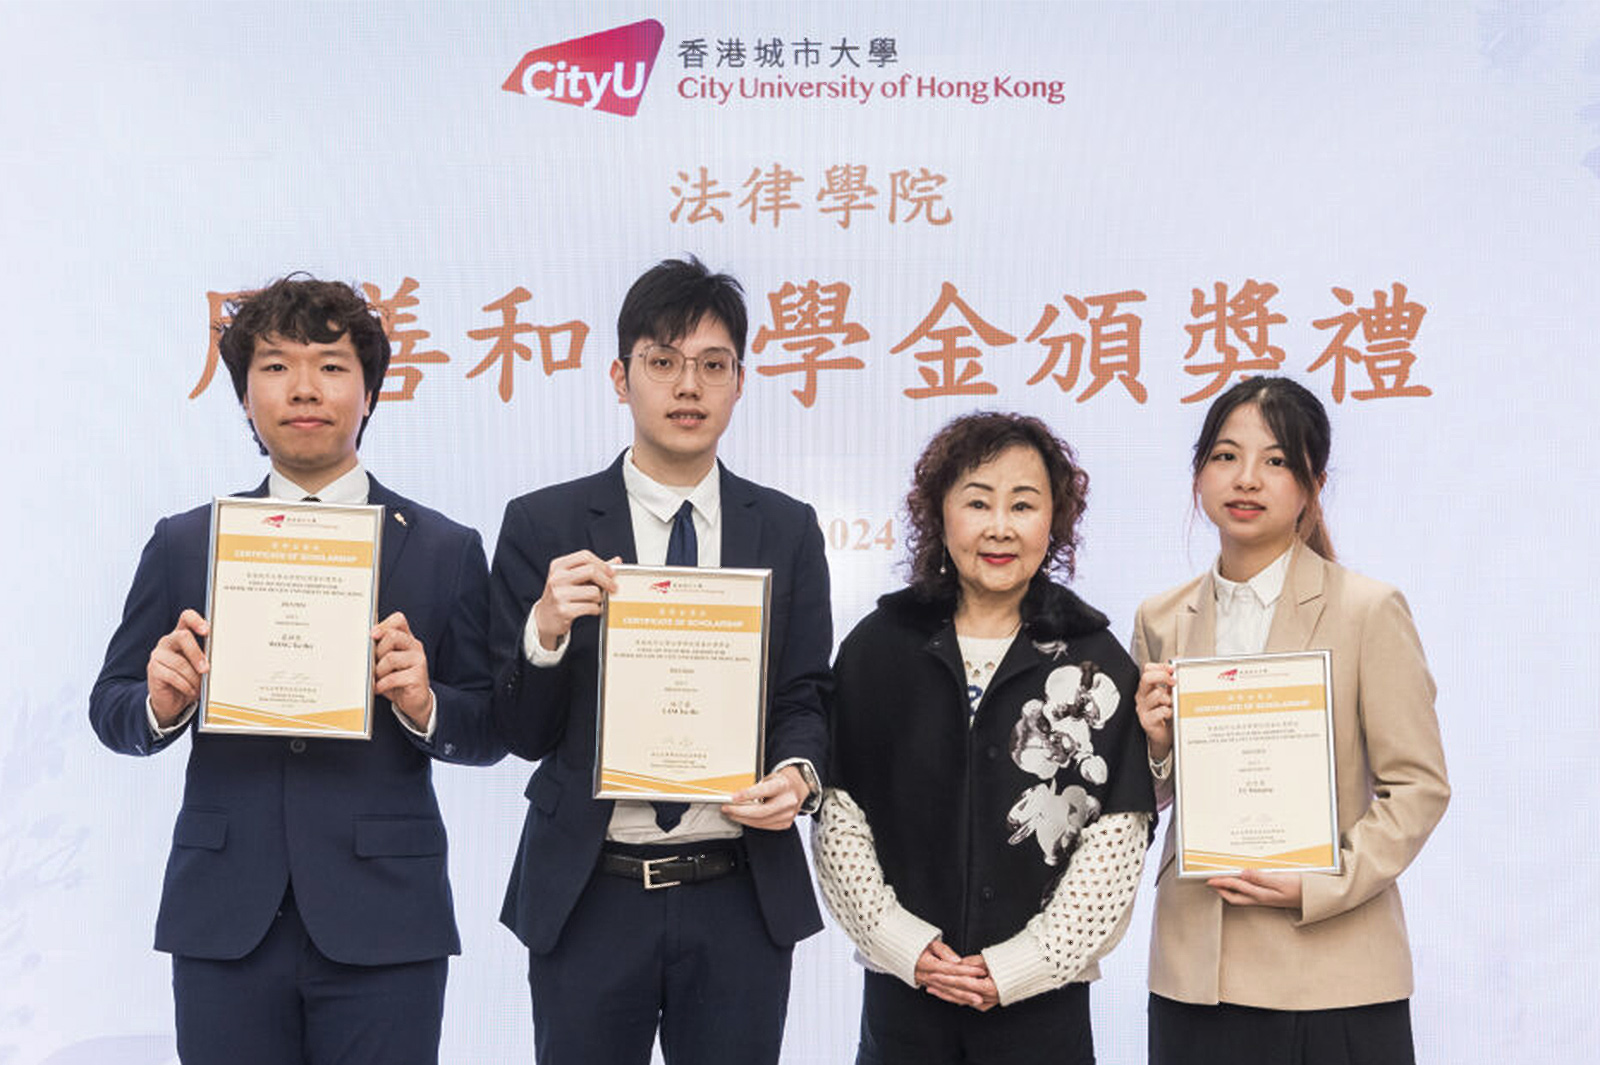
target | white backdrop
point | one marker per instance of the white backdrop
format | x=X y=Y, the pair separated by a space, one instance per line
x=153 y=153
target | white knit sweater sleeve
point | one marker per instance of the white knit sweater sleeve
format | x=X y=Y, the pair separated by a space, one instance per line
x=888 y=936
x=1086 y=916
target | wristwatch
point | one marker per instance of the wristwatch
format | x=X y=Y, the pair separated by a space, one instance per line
x=813 y=799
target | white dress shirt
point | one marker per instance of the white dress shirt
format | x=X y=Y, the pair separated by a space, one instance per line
x=1244 y=618
x=350 y=488
x=653 y=507
x=1244 y=608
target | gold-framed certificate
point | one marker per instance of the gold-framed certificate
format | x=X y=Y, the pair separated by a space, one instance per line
x=683 y=683
x=291 y=595
x=1253 y=749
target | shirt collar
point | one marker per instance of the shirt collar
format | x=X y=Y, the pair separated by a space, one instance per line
x=1266 y=586
x=349 y=488
x=663 y=500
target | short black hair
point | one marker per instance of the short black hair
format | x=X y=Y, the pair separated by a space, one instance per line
x=671 y=298
x=301 y=308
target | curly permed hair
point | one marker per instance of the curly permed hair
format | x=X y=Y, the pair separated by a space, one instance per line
x=965 y=444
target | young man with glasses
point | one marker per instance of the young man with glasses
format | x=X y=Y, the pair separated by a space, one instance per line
x=639 y=915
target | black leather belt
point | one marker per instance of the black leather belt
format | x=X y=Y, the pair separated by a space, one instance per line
x=671 y=870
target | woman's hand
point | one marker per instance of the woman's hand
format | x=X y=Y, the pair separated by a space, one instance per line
x=1153 y=701
x=964 y=981
x=1256 y=888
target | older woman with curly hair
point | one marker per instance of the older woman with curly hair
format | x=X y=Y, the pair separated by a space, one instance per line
x=990 y=806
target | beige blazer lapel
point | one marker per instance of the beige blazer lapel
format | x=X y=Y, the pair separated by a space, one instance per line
x=1300 y=605
x=1197 y=622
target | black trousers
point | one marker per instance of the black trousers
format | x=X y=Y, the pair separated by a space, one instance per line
x=694 y=962
x=901 y=1024
x=1185 y=1034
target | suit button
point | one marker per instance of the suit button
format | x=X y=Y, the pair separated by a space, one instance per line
x=987 y=894
x=297 y=746
x=993 y=752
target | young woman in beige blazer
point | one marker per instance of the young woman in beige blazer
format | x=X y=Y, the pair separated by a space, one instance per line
x=1290 y=968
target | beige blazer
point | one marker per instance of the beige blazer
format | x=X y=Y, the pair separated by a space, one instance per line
x=1347 y=944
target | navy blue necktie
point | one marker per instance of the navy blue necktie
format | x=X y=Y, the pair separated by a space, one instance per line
x=683 y=549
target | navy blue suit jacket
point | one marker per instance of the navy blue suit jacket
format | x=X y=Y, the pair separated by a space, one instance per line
x=549 y=713
x=354 y=825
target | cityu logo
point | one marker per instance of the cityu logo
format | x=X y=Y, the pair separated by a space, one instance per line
x=275 y=520
x=1229 y=674
x=662 y=586
x=602 y=72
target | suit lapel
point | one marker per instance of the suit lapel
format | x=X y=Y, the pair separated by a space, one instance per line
x=741 y=523
x=1300 y=605
x=398 y=514
x=610 y=521
x=1197 y=621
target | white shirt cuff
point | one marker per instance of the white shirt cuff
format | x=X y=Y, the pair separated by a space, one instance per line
x=813 y=801
x=159 y=733
x=535 y=651
x=425 y=735
x=1160 y=770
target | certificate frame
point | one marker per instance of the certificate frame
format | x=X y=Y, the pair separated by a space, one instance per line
x=682 y=693
x=1256 y=779
x=291 y=599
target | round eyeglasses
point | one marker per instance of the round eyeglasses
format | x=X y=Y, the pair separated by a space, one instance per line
x=712 y=368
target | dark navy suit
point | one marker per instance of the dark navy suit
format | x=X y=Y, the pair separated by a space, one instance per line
x=353 y=825
x=549 y=713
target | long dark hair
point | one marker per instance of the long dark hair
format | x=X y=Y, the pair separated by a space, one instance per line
x=1299 y=423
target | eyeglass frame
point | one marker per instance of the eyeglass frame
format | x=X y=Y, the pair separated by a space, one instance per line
x=685 y=360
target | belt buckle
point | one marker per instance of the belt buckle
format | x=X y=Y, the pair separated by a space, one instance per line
x=650 y=882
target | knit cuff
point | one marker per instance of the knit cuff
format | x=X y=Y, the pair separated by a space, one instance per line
x=899 y=941
x=1019 y=968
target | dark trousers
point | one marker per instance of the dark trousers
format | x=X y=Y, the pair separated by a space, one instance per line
x=694 y=960
x=285 y=1003
x=903 y=1025
x=1185 y=1034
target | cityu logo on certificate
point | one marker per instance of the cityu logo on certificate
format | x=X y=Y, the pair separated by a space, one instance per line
x=274 y=520
x=605 y=71
x=662 y=587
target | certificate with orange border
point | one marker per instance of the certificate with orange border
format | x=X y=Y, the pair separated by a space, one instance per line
x=683 y=683
x=292 y=597
x=1253 y=749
